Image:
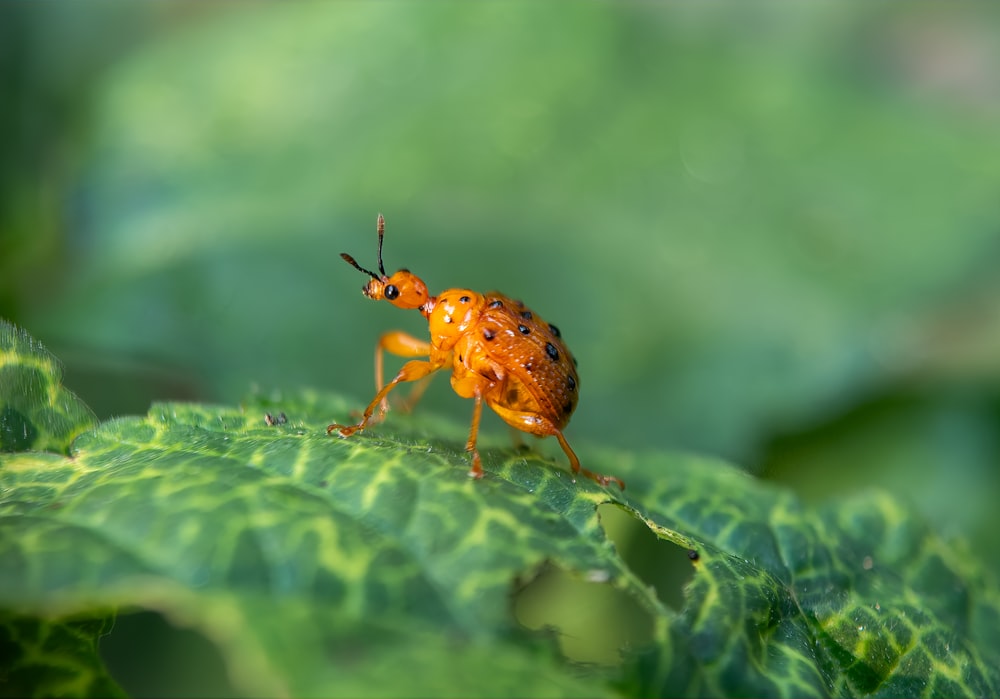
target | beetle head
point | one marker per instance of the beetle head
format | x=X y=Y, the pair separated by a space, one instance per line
x=403 y=289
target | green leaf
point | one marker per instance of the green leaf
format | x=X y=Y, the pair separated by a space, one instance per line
x=281 y=542
x=374 y=566
x=53 y=658
x=36 y=411
x=856 y=598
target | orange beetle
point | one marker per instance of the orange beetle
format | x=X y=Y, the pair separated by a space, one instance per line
x=498 y=350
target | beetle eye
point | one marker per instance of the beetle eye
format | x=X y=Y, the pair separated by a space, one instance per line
x=391 y=292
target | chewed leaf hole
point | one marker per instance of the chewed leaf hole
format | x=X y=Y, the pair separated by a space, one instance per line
x=593 y=621
x=573 y=605
x=661 y=564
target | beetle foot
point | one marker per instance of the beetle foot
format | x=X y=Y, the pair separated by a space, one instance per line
x=343 y=431
x=603 y=480
x=476 y=471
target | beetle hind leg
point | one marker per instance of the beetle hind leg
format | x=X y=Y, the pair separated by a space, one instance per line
x=574 y=463
x=538 y=425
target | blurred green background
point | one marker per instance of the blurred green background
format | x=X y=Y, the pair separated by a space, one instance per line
x=770 y=233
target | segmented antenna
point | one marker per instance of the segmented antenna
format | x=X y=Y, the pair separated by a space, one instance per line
x=353 y=263
x=381 y=232
x=350 y=260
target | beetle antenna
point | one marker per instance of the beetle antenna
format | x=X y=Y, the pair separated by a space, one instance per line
x=381 y=268
x=381 y=232
x=350 y=260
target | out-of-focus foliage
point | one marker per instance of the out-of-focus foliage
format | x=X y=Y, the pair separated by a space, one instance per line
x=36 y=411
x=52 y=658
x=770 y=233
x=316 y=563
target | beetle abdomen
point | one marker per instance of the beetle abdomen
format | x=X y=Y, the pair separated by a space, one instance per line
x=541 y=372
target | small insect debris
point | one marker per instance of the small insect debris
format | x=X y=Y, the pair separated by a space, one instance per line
x=271 y=420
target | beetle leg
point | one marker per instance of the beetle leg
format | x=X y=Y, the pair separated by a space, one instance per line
x=400 y=344
x=575 y=464
x=406 y=405
x=543 y=427
x=477 y=412
x=413 y=370
x=469 y=384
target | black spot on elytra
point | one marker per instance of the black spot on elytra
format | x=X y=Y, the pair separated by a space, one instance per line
x=551 y=350
x=571 y=383
x=496 y=303
x=568 y=407
x=529 y=366
x=489 y=333
x=554 y=330
x=526 y=315
x=523 y=329
x=464 y=299
x=447 y=319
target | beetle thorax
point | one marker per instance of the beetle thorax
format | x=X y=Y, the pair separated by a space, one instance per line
x=451 y=314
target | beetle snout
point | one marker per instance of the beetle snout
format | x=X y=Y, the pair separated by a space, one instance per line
x=374 y=289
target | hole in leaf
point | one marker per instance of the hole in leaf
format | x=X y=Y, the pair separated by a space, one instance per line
x=661 y=564
x=150 y=657
x=594 y=623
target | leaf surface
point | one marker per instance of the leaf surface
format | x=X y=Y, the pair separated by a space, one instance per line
x=36 y=411
x=375 y=566
x=54 y=658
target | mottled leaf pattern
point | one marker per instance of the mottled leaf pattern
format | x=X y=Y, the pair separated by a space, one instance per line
x=854 y=599
x=36 y=412
x=45 y=658
x=375 y=566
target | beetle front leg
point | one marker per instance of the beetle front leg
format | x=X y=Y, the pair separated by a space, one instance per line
x=411 y=371
x=400 y=344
